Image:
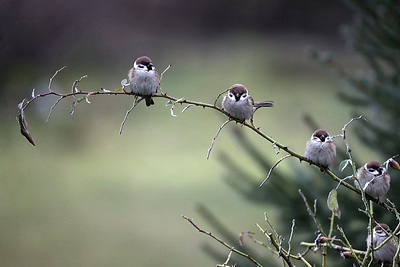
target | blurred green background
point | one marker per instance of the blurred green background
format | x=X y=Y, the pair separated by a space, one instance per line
x=87 y=196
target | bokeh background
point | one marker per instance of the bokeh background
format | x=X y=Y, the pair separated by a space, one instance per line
x=87 y=196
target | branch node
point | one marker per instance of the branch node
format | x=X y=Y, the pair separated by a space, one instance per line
x=75 y=84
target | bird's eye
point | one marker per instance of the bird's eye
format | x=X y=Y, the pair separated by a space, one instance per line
x=141 y=66
x=244 y=95
x=231 y=95
x=371 y=169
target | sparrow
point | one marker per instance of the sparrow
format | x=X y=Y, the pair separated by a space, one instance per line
x=143 y=79
x=240 y=105
x=320 y=149
x=376 y=176
x=386 y=253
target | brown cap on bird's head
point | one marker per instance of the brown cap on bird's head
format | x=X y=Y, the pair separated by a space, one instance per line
x=238 y=88
x=143 y=60
x=373 y=165
x=381 y=227
x=322 y=134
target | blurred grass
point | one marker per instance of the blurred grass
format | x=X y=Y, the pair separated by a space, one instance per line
x=86 y=196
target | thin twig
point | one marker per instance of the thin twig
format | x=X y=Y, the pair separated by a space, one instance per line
x=219 y=95
x=221 y=241
x=227 y=259
x=134 y=104
x=312 y=213
x=74 y=88
x=173 y=106
x=291 y=236
x=276 y=148
x=185 y=108
x=332 y=246
x=342 y=180
x=272 y=168
x=353 y=252
x=331 y=225
x=281 y=252
x=270 y=225
x=215 y=137
x=256 y=241
x=370 y=249
x=303 y=260
x=324 y=256
x=387 y=162
x=162 y=73
x=348 y=150
x=348 y=123
x=52 y=108
x=54 y=75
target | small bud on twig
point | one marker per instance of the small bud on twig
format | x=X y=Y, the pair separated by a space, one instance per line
x=346 y=254
x=394 y=164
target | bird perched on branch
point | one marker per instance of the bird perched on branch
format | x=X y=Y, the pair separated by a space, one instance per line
x=143 y=79
x=386 y=253
x=240 y=105
x=320 y=149
x=374 y=179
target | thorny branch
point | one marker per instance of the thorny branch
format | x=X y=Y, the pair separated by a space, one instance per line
x=189 y=103
x=273 y=237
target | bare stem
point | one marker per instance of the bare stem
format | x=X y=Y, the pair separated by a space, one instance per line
x=215 y=137
x=164 y=71
x=272 y=168
x=135 y=102
x=312 y=213
x=54 y=75
x=219 y=95
x=227 y=260
x=75 y=84
x=231 y=248
x=353 y=252
x=52 y=108
x=291 y=236
x=332 y=246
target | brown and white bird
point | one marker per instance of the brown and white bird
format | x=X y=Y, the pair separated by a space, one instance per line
x=320 y=149
x=374 y=179
x=386 y=253
x=143 y=79
x=240 y=105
